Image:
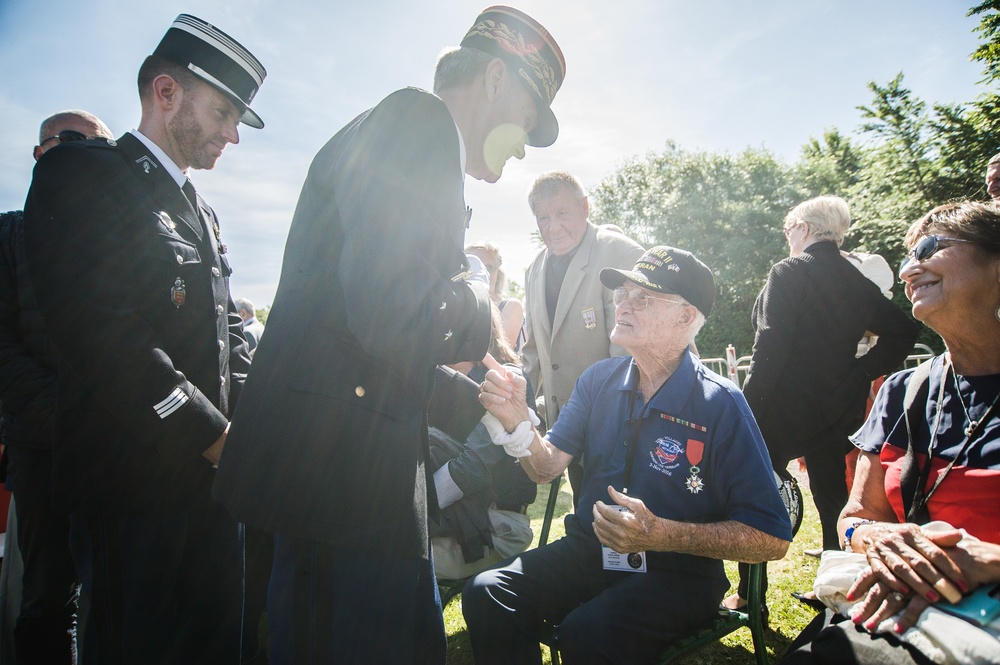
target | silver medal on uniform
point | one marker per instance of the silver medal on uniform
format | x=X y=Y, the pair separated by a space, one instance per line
x=178 y=293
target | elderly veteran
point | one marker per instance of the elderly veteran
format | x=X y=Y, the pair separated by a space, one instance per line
x=675 y=448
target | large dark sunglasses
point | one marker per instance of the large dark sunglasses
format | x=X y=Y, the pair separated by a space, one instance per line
x=927 y=248
x=66 y=135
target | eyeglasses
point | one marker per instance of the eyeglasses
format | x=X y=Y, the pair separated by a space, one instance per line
x=789 y=227
x=639 y=300
x=66 y=135
x=927 y=248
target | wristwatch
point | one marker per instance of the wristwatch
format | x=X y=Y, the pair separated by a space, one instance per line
x=850 y=532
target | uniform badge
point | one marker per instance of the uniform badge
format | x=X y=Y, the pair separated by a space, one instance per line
x=695 y=451
x=167 y=222
x=146 y=162
x=589 y=318
x=218 y=239
x=178 y=293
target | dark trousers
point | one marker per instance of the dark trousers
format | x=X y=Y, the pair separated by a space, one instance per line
x=827 y=469
x=45 y=631
x=330 y=605
x=164 y=589
x=832 y=639
x=259 y=559
x=602 y=616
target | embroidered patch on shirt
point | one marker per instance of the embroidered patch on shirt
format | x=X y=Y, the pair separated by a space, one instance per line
x=665 y=455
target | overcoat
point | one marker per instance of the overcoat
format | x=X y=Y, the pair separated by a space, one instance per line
x=804 y=377
x=329 y=442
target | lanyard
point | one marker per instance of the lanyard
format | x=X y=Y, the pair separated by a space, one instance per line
x=631 y=439
x=920 y=498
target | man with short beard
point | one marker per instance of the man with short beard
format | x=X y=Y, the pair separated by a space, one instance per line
x=132 y=281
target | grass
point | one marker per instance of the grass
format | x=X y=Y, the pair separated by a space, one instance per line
x=788 y=617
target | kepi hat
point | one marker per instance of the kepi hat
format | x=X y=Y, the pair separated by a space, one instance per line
x=216 y=58
x=669 y=270
x=531 y=51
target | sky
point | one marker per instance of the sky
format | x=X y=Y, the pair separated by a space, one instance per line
x=711 y=75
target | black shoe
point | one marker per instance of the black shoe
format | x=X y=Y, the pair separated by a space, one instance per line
x=811 y=601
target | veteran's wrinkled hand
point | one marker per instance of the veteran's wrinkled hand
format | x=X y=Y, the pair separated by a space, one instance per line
x=629 y=530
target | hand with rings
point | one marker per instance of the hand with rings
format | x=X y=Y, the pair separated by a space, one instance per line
x=904 y=558
x=882 y=602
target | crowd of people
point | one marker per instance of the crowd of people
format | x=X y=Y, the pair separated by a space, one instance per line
x=184 y=483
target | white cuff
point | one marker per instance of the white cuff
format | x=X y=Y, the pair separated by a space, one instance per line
x=447 y=491
x=516 y=443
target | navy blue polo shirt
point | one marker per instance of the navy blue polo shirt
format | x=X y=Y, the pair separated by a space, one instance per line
x=699 y=456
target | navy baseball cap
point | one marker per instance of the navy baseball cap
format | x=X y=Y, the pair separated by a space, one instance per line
x=669 y=270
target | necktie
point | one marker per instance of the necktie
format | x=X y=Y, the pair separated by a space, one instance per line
x=192 y=196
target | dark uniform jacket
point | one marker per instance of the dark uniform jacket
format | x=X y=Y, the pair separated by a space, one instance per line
x=329 y=442
x=134 y=290
x=805 y=382
x=28 y=361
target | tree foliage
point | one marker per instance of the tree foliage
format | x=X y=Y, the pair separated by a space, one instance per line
x=988 y=52
x=721 y=207
x=906 y=157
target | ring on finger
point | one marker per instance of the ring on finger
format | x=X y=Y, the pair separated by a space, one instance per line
x=897 y=596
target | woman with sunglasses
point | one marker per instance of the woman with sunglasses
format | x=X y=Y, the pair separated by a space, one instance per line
x=936 y=459
x=806 y=386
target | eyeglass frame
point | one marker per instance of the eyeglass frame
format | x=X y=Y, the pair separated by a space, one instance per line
x=786 y=229
x=76 y=136
x=935 y=246
x=626 y=295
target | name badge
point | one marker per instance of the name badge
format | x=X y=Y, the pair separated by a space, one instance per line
x=632 y=562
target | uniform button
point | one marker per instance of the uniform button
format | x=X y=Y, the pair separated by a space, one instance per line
x=359 y=391
x=222 y=345
x=555 y=366
x=180 y=259
x=216 y=271
x=219 y=309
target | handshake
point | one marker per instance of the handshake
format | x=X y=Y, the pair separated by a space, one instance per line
x=515 y=443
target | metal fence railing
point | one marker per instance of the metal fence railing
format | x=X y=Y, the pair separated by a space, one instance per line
x=737 y=368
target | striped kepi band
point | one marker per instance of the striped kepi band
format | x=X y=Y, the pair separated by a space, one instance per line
x=217 y=59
